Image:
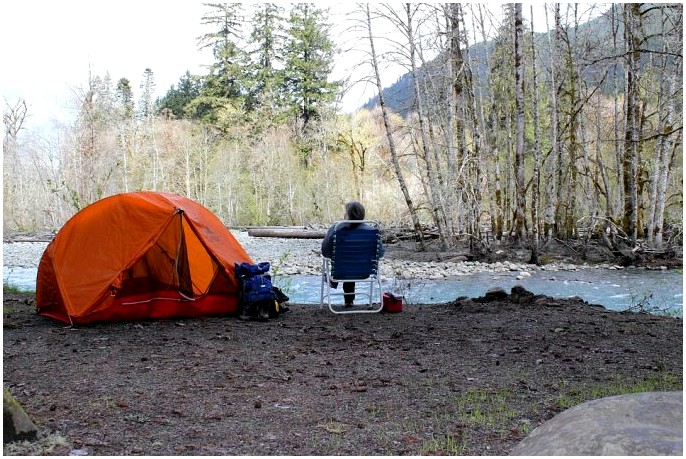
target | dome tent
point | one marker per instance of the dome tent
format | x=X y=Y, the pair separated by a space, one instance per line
x=136 y=256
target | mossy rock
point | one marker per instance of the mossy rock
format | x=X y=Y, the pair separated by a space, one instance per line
x=16 y=424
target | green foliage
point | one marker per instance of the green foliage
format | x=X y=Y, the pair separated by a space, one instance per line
x=285 y=283
x=146 y=103
x=176 y=102
x=475 y=409
x=224 y=85
x=219 y=112
x=9 y=288
x=124 y=97
x=572 y=395
x=256 y=139
x=265 y=75
x=226 y=78
x=309 y=59
x=281 y=69
x=66 y=193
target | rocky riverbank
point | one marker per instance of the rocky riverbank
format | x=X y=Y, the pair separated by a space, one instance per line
x=290 y=256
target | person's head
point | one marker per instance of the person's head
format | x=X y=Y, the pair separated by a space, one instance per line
x=354 y=211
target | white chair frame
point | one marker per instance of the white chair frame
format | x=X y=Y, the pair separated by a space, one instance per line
x=327 y=293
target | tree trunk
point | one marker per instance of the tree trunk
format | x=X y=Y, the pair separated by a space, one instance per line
x=434 y=191
x=574 y=144
x=537 y=153
x=632 y=21
x=471 y=115
x=389 y=135
x=550 y=213
x=520 y=189
x=662 y=164
x=492 y=192
x=619 y=198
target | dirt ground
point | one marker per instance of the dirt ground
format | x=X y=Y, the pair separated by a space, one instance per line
x=470 y=377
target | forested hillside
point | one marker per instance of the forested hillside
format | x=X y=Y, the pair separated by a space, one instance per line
x=497 y=131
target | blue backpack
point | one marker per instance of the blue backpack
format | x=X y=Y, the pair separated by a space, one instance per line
x=256 y=293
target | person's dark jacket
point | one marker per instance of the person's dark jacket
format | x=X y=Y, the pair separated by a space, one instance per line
x=327 y=243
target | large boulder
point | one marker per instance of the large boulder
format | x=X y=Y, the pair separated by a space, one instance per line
x=643 y=424
x=16 y=424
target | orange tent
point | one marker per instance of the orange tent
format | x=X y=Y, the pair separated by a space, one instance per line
x=136 y=256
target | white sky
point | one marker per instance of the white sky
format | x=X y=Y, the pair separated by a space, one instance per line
x=49 y=46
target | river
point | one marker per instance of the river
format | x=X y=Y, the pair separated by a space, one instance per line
x=657 y=291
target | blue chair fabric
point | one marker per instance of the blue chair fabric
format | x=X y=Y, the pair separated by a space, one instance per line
x=355 y=258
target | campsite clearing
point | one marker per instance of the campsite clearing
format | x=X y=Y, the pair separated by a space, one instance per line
x=467 y=377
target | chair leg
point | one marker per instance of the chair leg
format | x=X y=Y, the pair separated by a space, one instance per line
x=325 y=280
x=328 y=288
x=321 y=291
x=371 y=291
x=326 y=285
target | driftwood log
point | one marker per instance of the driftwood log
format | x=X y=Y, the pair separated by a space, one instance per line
x=294 y=233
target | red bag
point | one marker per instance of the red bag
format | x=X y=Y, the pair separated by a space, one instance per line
x=392 y=303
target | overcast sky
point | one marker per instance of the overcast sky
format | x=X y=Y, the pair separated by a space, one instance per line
x=49 y=47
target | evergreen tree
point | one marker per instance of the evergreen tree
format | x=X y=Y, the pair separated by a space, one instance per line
x=226 y=74
x=176 y=101
x=146 y=103
x=266 y=68
x=124 y=97
x=221 y=99
x=309 y=59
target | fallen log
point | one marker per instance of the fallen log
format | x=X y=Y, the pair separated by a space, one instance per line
x=293 y=233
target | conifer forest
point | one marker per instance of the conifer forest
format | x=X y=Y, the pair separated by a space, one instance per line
x=494 y=131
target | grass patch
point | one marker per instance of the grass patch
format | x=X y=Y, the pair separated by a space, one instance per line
x=485 y=407
x=9 y=288
x=572 y=396
x=477 y=409
x=449 y=445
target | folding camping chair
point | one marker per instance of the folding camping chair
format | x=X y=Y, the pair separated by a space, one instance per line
x=355 y=258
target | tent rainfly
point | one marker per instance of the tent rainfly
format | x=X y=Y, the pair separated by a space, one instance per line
x=137 y=256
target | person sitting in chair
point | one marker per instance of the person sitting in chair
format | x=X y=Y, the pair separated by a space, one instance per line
x=353 y=211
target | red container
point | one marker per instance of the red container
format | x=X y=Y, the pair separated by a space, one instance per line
x=392 y=303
